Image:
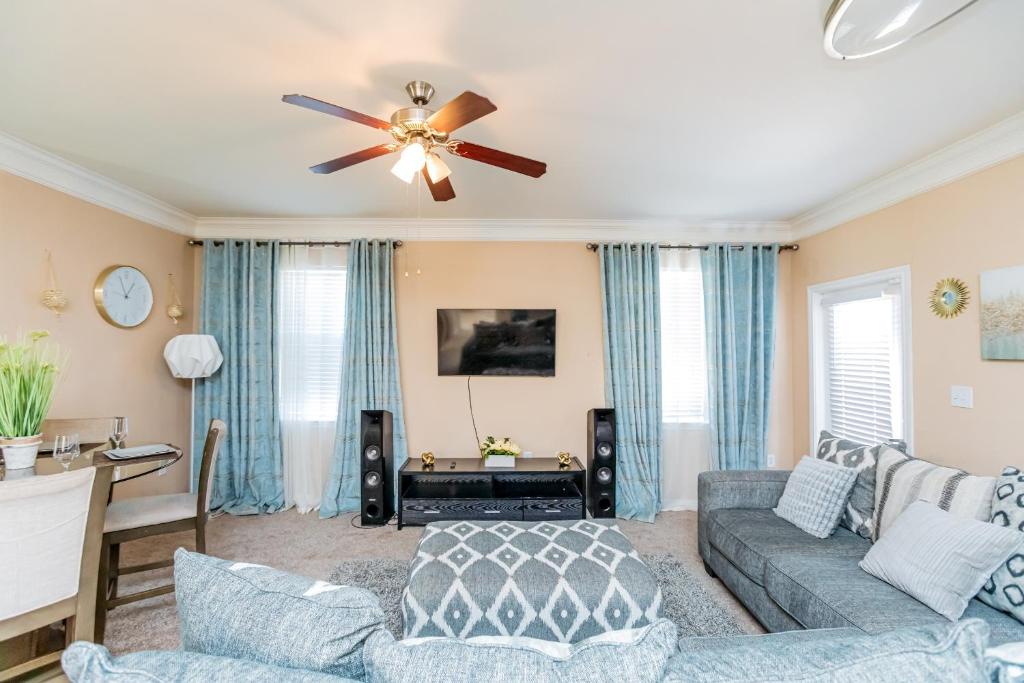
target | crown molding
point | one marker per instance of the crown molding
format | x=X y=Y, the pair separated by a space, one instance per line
x=486 y=230
x=979 y=151
x=985 y=148
x=32 y=163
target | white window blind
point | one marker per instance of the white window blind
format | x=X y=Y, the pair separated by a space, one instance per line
x=863 y=373
x=683 y=347
x=312 y=324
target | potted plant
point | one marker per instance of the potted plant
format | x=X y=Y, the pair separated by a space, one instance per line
x=28 y=376
x=499 y=453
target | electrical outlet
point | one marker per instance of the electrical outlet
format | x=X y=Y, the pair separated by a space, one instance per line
x=961 y=397
x=771 y=460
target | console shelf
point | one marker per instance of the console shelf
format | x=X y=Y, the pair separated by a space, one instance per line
x=465 y=489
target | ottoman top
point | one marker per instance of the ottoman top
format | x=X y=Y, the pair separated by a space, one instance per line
x=560 y=580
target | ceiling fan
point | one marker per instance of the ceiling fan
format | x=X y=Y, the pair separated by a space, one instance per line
x=419 y=133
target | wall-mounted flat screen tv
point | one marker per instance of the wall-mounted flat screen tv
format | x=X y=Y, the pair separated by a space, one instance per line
x=487 y=341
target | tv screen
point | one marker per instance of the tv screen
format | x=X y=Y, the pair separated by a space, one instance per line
x=508 y=342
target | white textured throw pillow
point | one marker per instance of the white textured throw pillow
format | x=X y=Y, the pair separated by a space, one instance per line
x=901 y=480
x=939 y=558
x=815 y=496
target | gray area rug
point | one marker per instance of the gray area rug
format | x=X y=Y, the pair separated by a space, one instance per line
x=685 y=602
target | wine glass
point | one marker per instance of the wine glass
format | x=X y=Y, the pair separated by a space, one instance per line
x=118 y=431
x=65 y=449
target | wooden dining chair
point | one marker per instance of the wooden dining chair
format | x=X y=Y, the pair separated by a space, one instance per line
x=135 y=518
x=49 y=557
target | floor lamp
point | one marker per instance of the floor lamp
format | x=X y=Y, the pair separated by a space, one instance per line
x=191 y=356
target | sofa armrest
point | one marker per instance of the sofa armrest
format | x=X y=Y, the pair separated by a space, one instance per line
x=724 y=489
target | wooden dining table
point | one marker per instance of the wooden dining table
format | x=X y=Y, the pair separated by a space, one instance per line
x=110 y=472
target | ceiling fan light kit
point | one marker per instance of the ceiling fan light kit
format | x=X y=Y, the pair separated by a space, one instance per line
x=419 y=133
x=855 y=29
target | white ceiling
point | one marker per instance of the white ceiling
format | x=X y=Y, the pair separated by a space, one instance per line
x=704 y=109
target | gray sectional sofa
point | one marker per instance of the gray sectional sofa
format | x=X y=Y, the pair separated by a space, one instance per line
x=791 y=580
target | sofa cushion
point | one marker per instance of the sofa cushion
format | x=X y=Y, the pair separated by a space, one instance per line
x=753 y=596
x=248 y=611
x=902 y=480
x=747 y=538
x=626 y=656
x=939 y=558
x=834 y=592
x=942 y=653
x=1005 y=588
x=859 y=516
x=816 y=495
x=87 y=662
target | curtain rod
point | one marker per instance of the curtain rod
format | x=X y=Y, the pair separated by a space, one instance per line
x=592 y=246
x=199 y=243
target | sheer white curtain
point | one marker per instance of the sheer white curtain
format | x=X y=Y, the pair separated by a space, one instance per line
x=311 y=322
x=684 y=378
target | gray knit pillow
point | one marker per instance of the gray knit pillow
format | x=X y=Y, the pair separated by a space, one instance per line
x=815 y=496
x=1005 y=589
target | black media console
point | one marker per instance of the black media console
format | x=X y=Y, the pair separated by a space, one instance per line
x=464 y=489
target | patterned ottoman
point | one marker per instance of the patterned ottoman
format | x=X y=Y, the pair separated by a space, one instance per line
x=563 y=581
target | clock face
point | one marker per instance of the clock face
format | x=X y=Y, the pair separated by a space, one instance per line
x=123 y=296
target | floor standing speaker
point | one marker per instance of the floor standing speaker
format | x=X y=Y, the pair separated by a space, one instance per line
x=601 y=462
x=376 y=468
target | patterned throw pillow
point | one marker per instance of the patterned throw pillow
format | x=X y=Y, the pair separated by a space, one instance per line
x=1005 y=589
x=901 y=480
x=815 y=496
x=859 y=516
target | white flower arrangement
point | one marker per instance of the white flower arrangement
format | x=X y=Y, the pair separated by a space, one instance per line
x=506 y=446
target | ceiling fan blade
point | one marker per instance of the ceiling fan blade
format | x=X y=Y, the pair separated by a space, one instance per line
x=335 y=110
x=494 y=157
x=464 y=109
x=441 y=191
x=352 y=159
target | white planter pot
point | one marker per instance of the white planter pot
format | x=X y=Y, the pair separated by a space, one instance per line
x=500 y=461
x=20 y=453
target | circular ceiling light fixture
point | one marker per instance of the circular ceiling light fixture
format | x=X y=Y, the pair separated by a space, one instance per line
x=861 y=28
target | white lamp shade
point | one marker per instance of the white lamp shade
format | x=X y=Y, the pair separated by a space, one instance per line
x=193 y=355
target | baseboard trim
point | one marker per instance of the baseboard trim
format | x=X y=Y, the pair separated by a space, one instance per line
x=680 y=504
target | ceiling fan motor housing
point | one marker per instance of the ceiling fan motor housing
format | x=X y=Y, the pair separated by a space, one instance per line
x=420 y=92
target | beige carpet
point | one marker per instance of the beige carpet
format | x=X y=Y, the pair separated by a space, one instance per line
x=306 y=545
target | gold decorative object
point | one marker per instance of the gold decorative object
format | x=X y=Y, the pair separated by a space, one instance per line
x=54 y=298
x=428 y=458
x=949 y=298
x=174 y=310
x=564 y=458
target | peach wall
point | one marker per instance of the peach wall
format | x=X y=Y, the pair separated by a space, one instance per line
x=544 y=414
x=111 y=371
x=959 y=230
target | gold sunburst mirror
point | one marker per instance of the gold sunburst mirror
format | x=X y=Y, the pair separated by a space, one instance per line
x=949 y=298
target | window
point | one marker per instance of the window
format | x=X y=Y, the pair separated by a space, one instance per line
x=683 y=348
x=860 y=331
x=312 y=323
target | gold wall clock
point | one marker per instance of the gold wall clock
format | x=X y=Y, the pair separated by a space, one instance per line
x=123 y=296
x=949 y=298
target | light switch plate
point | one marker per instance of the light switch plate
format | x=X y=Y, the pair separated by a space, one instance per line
x=961 y=397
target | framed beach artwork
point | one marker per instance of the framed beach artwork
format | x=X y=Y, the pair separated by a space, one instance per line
x=1002 y=314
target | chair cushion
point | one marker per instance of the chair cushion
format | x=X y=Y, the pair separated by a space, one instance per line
x=625 y=656
x=941 y=653
x=248 y=611
x=133 y=513
x=87 y=662
x=747 y=538
x=823 y=591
